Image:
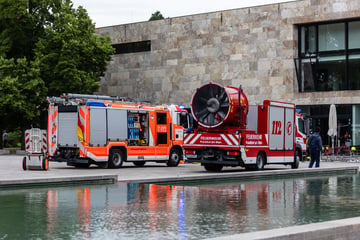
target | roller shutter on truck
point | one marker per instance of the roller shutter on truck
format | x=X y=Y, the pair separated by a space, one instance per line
x=67 y=125
x=107 y=124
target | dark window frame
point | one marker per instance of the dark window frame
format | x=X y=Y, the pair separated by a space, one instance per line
x=132 y=47
x=312 y=58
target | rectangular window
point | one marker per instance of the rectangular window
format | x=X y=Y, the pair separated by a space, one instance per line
x=161 y=138
x=308 y=40
x=354 y=71
x=329 y=56
x=161 y=118
x=354 y=35
x=332 y=37
x=331 y=74
x=132 y=47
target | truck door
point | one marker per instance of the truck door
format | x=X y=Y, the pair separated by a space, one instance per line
x=162 y=139
x=276 y=133
x=281 y=133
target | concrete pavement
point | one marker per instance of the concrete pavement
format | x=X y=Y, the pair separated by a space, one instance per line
x=11 y=172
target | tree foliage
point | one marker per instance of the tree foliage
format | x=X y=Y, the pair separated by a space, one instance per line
x=46 y=48
x=25 y=92
x=156 y=16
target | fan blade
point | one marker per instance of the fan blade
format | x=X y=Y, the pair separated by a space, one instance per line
x=211 y=119
x=221 y=115
x=224 y=105
x=204 y=117
x=211 y=92
x=202 y=112
x=222 y=95
x=202 y=100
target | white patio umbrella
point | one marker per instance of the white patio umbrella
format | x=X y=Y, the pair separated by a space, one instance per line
x=332 y=132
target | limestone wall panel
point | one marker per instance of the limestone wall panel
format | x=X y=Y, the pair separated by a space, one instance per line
x=254 y=47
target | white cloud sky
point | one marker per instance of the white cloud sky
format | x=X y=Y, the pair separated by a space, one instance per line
x=115 y=12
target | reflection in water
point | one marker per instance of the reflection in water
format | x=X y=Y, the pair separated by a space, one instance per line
x=192 y=211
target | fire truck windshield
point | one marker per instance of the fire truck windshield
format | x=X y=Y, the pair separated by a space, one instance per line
x=301 y=125
x=183 y=119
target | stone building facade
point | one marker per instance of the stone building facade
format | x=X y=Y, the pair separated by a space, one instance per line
x=255 y=47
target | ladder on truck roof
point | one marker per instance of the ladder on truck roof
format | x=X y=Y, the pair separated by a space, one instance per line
x=75 y=98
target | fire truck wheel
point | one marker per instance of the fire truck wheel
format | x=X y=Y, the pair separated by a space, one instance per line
x=213 y=167
x=116 y=158
x=174 y=158
x=297 y=158
x=260 y=161
x=24 y=164
x=139 y=163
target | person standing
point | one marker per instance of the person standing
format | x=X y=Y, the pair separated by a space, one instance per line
x=5 y=138
x=315 y=145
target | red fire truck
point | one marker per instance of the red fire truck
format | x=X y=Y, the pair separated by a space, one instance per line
x=107 y=131
x=232 y=133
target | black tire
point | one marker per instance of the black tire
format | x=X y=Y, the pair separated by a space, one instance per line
x=260 y=161
x=213 y=167
x=174 y=158
x=116 y=158
x=24 y=164
x=297 y=158
x=139 y=163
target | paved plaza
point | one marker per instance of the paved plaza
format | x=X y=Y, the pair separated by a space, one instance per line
x=11 y=171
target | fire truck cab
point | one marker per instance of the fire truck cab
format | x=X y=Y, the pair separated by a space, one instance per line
x=107 y=131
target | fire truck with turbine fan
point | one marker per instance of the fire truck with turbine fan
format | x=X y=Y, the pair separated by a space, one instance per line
x=230 y=132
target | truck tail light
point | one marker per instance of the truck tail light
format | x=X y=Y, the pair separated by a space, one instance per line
x=233 y=153
x=190 y=152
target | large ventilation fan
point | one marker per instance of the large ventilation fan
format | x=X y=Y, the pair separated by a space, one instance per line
x=210 y=105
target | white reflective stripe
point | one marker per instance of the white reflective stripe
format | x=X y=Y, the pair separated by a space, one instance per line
x=96 y=158
x=162 y=157
x=187 y=137
x=280 y=104
x=246 y=159
x=195 y=138
x=212 y=145
x=82 y=148
x=226 y=139
x=51 y=134
x=234 y=139
x=82 y=120
x=151 y=138
x=144 y=158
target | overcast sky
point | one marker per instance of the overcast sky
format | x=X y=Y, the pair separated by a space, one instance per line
x=115 y=12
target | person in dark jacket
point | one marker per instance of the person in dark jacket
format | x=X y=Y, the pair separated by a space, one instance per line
x=315 y=145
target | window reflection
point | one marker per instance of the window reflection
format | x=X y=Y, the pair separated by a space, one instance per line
x=329 y=57
x=354 y=35
x=332 y=37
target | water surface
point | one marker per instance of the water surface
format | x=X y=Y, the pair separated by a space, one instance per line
x=196 y=210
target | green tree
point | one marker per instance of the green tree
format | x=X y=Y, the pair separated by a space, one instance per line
x=156 y=16
x=46 y=48
x=25 y=92
x=72 y=58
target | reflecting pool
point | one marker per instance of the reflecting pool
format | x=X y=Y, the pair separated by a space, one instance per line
x=195 y=210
